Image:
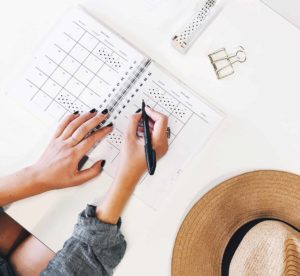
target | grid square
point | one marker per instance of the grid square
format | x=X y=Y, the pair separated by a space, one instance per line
x=84 y=75
x=162 y=110
x=29 y=89
x=142 y=96
x=110 y=75
x=88 y=41
x=65 y=99
x=115 y=61
x=46 y=65
x=100 y=87
x=182 y=113
x=90 y=98
x=56 y=54
x=37 y=77
x=56 y=111
x=168 y=102
x=93 y=63
x=51 y=88
x=175 y=125
x=75 y=87
x=79 y=53
x=65 y=42
x=75 y=31
x=41 y=100
x=115 y=138
x=103 y=52
x=70 y=65
x=61 y=76
x=79 y=106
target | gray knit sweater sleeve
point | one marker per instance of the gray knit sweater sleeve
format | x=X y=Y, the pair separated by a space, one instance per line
x=95 y=248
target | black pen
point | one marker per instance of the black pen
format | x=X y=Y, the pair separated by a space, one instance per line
x=149 y=151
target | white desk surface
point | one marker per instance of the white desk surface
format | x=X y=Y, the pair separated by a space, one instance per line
x=262 y=129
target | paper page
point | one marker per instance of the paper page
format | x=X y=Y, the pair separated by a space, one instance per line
x=77 y=68
x=191 y=119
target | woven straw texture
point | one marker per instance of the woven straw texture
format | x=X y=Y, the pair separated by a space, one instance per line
x=206 y=230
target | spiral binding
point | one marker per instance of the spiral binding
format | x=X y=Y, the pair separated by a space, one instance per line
x=131 y=80
x=122 y=93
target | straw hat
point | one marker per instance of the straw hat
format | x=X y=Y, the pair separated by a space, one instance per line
x=245 y=224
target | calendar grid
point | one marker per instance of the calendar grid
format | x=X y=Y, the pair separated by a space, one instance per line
x=87 y=50
x=99 y=40
x=72 y=75
x=171 y=113
x=61 y=87
x=48 y=76
x=90 y=53
x=75 y=76
x=41 y=90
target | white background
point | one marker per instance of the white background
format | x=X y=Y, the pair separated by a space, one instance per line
x=261 y=131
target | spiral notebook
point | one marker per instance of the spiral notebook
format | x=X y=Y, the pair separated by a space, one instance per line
x=82 y=64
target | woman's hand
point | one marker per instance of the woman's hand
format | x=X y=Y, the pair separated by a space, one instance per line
x=133 y=163
x=58 y=166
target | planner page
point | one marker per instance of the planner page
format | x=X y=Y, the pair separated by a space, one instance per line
x=191 y=120
x=80 y=66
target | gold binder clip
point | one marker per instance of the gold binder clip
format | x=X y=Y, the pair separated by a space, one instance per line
x=223 y=63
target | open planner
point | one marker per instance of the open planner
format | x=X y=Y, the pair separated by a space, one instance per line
x=82 y=64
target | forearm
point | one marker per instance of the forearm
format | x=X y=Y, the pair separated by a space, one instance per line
x=19 y=185
x=111 y=207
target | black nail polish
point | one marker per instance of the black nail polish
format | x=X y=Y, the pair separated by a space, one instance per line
x=82 y=162
x=110 y=125
x=148 y=106
x=76 y=112
x=105 y=111
x=139 y=110
x=103 y=163
x=93 y=110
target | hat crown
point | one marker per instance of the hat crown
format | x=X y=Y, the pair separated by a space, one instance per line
x=211 y=223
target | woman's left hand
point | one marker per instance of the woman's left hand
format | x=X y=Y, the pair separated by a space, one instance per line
x=58 y=166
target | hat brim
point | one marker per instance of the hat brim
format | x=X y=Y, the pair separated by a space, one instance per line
x=212 y=221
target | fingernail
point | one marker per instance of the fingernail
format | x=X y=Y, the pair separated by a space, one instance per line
x=76 y=112
x=110 y=125
x=93 y=110
x=103 y=163
x=139 y=110
x=105 y=111
x=148 y=106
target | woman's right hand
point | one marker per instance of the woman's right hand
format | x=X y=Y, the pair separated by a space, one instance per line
x=133 y=161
